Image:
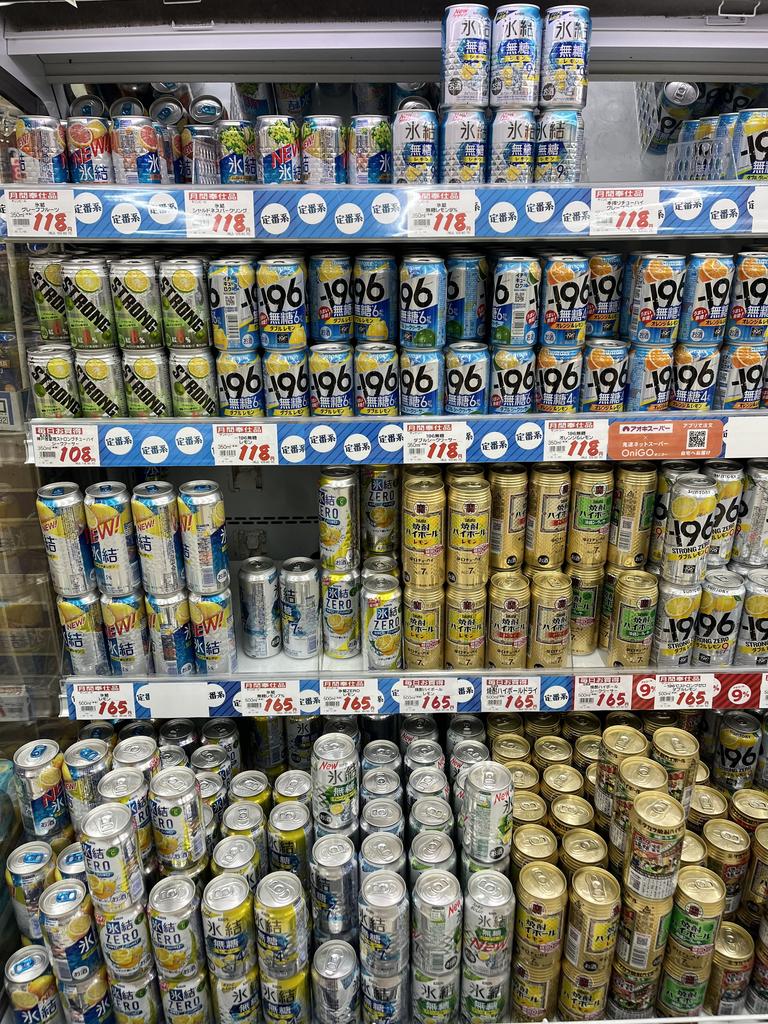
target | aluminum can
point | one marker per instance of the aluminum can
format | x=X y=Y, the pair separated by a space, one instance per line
x=654 y=844
x=463 y=147
x=509 y=499
x=176 y=811
x=649 y=378
x=379 y=504
x=717 y=623
x=732 y=963
x=286 y=383
x=728 y=478
x=466 y=287
x=137 y=752
x=41 y=145
x=374 y=284
x=158 y=538
x=193 y=380
x=634 y=775
x=125 y=942
x=430 y=850
x=675 y=104
x=147 y=384
x=674 y=630
x=170 y=633
x=515 y=56
x=748 y=313
x=488 y=793
x=301 y=731
x=606 y=271
x=237 y=998
x=467 y=376
x=334 y=888
x=512 y=380
x=678 y=752
x=380 y=755
x=559 y=146
x=423 y=627
x=294 y=784
x=228 y=926
x=66 y=918
x=749 y=145
x=341 y=613
x=738 y=747
x=604 y=378
x=422 y=376
x=339 y=503
x=752 y=643
x=240 y=383
x=587 y=586
x=564 y=300
x=85 y=764
x=300 y=607
x=515 y=304
x=750 y=544
x=547 y=515
x=187 y=997
x=485 y=998
x=111 y=854
x=632 y=620
x=71 y=864
x=694 y=376
x=335 y=781
x=632 y=515
x=511 y=156
x=381 y=599
x=290 y=836
x=48 y=296
x=590 y=514
x=237 y=152
x=423 y=299
x=706 y=297
x=466 y=40
x=335 y=984
x=382 y=815
x=690 y=521
x=331 y=380
x=381 y=851
x=233 y=302
x=323 y=150
x=279 y=155
x=330 y=291
x=669 y=473
x=286 y=998
x=376 y=379
x=83 y=634
x=282 y=925
x=549 y=638
x=202 y=519
x=423 y=527
x=53 y=380
x=489 y=915
x=369 y=150
x=128 y=786
x=468 y=533
x=508 y=613
x=564 y=57
x=558 y=378
x=415 y=133
x=136 y=302
x=126 y=632
x=385 y=999
x=740 y=378
x=465 y=615
x=384 y=924
x=184 y=300
x=657 y=298
x=246 y=819
x=540 y=913
x=135 y=150
x=100 y=384
x=31 y=986
x=112 y=537
x=282 y=305
x=436 y=922
x=30 y=870
x=260 y=607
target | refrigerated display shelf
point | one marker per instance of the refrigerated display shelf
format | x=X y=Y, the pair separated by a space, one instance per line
x=281 y=687
x=344 y=213
x=397 y=440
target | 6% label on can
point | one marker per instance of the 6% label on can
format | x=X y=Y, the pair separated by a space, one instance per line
x=350 y=697
x=65 y=445
x=436 y=442
x=100 y=701
x=236 y=445
x=501 y=694
x=602 y=693
x=268 y=697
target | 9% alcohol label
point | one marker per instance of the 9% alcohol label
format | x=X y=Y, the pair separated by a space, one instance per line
x=66 y=446
x=500 y=694
x=111 y=700
x=245 y=445
x=602 y=693
x=625 y=211
x=268 y=697
x=350 y=697
x=575 y=441
x=420 y=696
x=44 y=213
x=436 y=442
x=683 y=693
x=442 y=213
x=220 y=214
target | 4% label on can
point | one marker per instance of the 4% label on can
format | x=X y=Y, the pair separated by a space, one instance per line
x=245 y=445
x=350 y=697
x=602 y=693
x=502 y=694
x=268 y=697
x=100 y=701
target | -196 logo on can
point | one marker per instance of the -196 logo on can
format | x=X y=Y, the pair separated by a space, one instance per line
x=512 y=380
x=467 y=369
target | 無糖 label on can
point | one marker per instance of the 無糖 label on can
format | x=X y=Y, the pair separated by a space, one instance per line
x=513 y=380
x=657 y=298
x=508 y=612
x=654 y=845
x=330 y=292
x=604 y=376
x=423 y=532
x=240 y=383
x=423 y=627
x=515 y=56
x=678 y=752
x=558 y=378
x=466 y=44
x=748 y=313
x=549 y=637
x=605 y=285
x=465 y=614
x=632 y=514
x=489 y=921
x=281 y=284
x=509 y=499
x=547 y=515
x=643 y=931
x=590 y=514
x=512 y=155
x=564 y=57
x=286 y=383
x=632 y=620
x=436 y=922
x=469 y=518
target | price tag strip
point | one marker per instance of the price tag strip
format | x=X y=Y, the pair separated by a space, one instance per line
x=602 y=693
x=245 y=444
x=102 y=701
x=442 y=213
x=268 y=697
x=220 y=213
x=350 y=697
x=499 y=694
x=415 y=695
x=436 y=442
x=65 y=445
x=44 y=213
x=684 y=692
x=633 y=212
x=575 y=440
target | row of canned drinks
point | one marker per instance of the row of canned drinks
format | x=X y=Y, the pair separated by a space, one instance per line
x=283 y=302
x=676 y=102
x=729 y=146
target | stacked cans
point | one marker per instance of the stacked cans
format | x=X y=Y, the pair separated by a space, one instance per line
x=101 y=549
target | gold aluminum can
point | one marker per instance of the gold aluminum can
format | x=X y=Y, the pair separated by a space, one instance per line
x=530 y=571
x=528 y=809
x=636 y=775
x=732 y=965
x=533 y=993
x=617 y=743
x=632 y=620
x=525 y=778
x=542 y=895
x=465 y=627
x=567 y=813
x=678 y=752
x=509 y=501
x=653 y=720
x=590 y=781
x=728 y=856
x=610 y=574
x=749 y=808
x=632 y=993
x=706 y=803
x=694 y=851
x=541 y=723
x=590 y=514
x=549 y=750
x=509 y=600
x=423 y=532
x=582 y=995
x=702 y=771
x=699 y=902
x=580 y=723
x=681 y=990
x=532 y=844
x=510 y=748
x=468 y=533
x=654 y=845
x=643 y=931
x=624 y=718
x=462 y=472
x=634 y=501
x=581 y=848
x=586 y=751
x=423 y=627
x=503 y=723
x=561 y=780
x=549 y=640
x=754 y=897
x=422 y=472
x=593 y=920
x=546 y=526
x=587 y=586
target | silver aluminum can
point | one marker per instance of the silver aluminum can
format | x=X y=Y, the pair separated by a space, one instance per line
x=565 y=57
x=341 y=613
x=728 y=478
x=559 y=146
x=512 y=151
x=384 y=924
x=179 y=731
x=54 y=385
x=138 y=752
x=488 y=798
x=300 y=607
x=385 y=999
x=430 y=814
x=112 y=536
x=335 y=781
x=333 y=877
x=260 y=607
x=301 y=731
x=435 y=997
x=129 y=786
x=282 y=925
x=466 y=45
x=173 y=756
x=515 y=56
x=467 y=752
x=750 y=543
x=158 y=537
x=381 y=754
x=245 y=818
x=381 y=783
x=203 y=536
x=223 y=732
x=427 y=782
x=380 y=565
x=381 y=852
x=436 y=922
x=335 y=984
x=293 y=785
x=86 y=763
x=382 y=815
x=417 y=727
x=489 y=923
x=112 y=859
x=423 y=754
x=463 y=727
x=463 y=147
x=430 y=850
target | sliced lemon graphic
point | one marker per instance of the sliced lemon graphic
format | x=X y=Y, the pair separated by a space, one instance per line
x=145 y=368
x=198 y=366
x=87 y=280
x=684 y=507
x=136 y=281
x=96 y=369
x=183 y=280
x=58 y=367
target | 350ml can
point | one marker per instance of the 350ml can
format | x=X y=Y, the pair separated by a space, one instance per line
x=423 y=299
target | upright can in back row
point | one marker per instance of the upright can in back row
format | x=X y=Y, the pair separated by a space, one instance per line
x=466 y=44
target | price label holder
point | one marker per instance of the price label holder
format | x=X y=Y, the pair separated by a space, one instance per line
x=108 y=700
x=15 y=705
x=436 y=442
x=602 y=693
x=42 y=212
x=165 y=699
x=350 y=697
x=66 y=445
x=684 y=692
x=442 y=213
x=424 y=696
x=268 y=697
x=503 y=695
x=632 y=212
x=245 y=444
x=220 y=213
x=575 y=440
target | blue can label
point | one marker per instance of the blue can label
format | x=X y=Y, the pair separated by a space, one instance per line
x=414 y=147
x=234 y=306
x=649 y=380
x=374 y=288
x=564 y=300
x=516 y=56
x=286 y=383
x=706 y=298
x=657 y=299
x=748 y=315
x=740 y=376
x=604 y=377
x=694 y=376
x=282 y=303
x=605 y=280
x=515 y=309
x=241 y=384
x=279 y=156
x=467 y=278
x=467 y=372
x=463 y=142
x=376 y=380
x=422 y=375
x=558 y=379
x=423 y=288
x=513 y=381
x=331 y=380
x=330 y=291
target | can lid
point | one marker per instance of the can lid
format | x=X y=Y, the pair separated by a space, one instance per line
x=726 y=835
x=26 y=964
x=333 y=746
x=242 y=816
x=596 y=886
x=382 y=848
x=490 y=888
x=134 y=751
x=436 y=887
x=289 y=815
x=248 y=784
x=659 y=809
x=384 y=780
x=85 y=753
x=120 y=782
x=333 y=851
x=423 y=751
x=675 y=742
x=534 y=841
x=709 y=801
x=427 y=781
x=432 y=811
x=434 y=847
x=734 y=942
x=61 y=898
x=699 y=886
x=643 y=773
x=751 y=802
x=173 y=894
x=29 y=858
x=107 y=821
x=334 y=960
x=384 y=889
x=572 y=810
x=36 y=754
x=694 y=849
x=225 y=892
x=234 y=852
x=279 y=889
x=71 y=860
x=469 y=752
x=209 y=758
x=294 y=783
x=623 y=739
x=543 y=881
x=583 y=845
x=489 y=777
x=216 y=729
x=172 y=783
x=382 y=813
x=173 y=756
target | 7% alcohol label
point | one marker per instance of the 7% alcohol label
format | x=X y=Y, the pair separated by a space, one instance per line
x=110 y=700
x=500 y=695
x=350 y=697
x=236 y=445
x=220 y=214
x=268 y=697
x=66 y=446
x=602 y=693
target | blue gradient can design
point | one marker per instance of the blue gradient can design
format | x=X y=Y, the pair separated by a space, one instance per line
x=375 y=297
x=282 y=304
x=463 y=147
x=369 y=150
x=706 y=297
x=466 y=293
x=467 y=374
x=170 y=634
x=286 y=383
x=234 y=306
x=377 y=391
x=694 y=376
x=241 y=383
x=512 y=152
x=740 y=376
x=559 y=146
x=515 y=56
x=422 y=377
x=657 y=300
x=414 y=147
x=558 y=378
x=279 y=155
x=237 y=152
x=649 y=380
x=604 y=376
x=330 y=297
x=466 y=46
x=606 y=272
x=332 y=380
x=513 y=380
x=564 y=57
x=515 y=300
x=750 y=145
x=564 y=300
x=203 y=523
x=423 y=301
x=125 y=629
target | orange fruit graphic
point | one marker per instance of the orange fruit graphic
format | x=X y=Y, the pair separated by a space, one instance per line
x=658 y=270
x=712 y=269
x=546 y=358
x=746 y=356
x=657 y=359
x=559 y=273
x=598 y=359
x=751 y=267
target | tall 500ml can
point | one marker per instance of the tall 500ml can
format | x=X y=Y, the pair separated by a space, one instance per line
x=158 y=538
x=415 y=147
x=61 y=513
x=112 y=536
x=380 y=510
x=423 y=301
x=260 y=607
x=515 y=300
x=170 y=633
x=689 y=529
x=374 y=295
x=706 y=297
x=466 y=43
x=300 y=607
x=381 y=600
x=728 y=478
x=515 y=56
x=564 y=300
x=339 y=517
x=717 y=622
x=463 y=145
x=559 y=146
x=512 y=153
x=341 y=613
x=564 y=58
x=125 y=629
x=213 y=631
x=203 y=535
x=330 y=297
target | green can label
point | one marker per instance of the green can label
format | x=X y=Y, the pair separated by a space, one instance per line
x=635 y=624
x=592 y=512
x=681 y=997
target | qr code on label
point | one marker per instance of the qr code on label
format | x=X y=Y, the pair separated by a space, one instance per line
x=697 y=439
